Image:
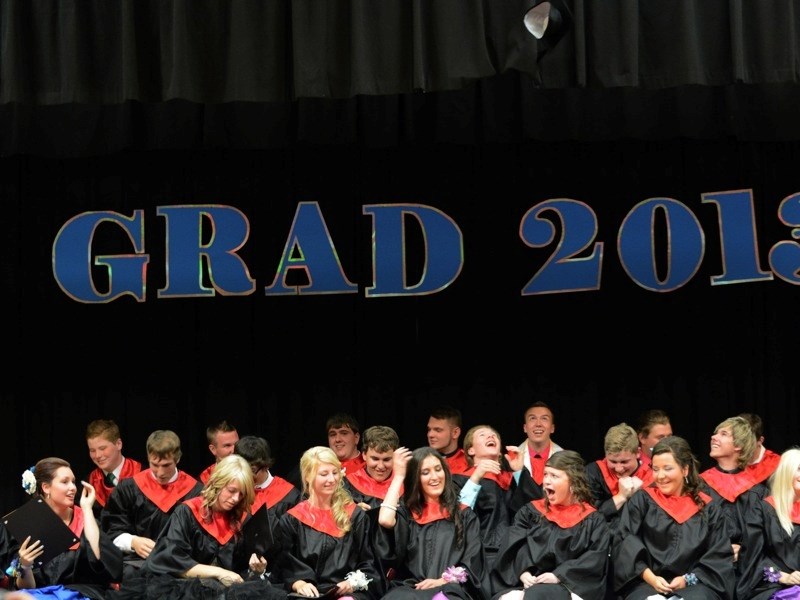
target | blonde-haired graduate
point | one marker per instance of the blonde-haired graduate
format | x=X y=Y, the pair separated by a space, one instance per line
x=325 y=543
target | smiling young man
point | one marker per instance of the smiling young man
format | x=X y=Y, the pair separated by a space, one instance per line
x=538 y=426
x=140 y=506
x=369 y=484
x=105 y=450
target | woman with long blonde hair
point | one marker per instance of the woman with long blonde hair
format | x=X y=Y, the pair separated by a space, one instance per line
x=773 y=534
x=325 y=544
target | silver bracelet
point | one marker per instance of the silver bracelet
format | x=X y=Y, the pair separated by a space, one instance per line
x=389 y=506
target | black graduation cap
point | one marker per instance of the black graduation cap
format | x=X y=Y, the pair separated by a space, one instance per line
x=37 y=520
x=258 y=533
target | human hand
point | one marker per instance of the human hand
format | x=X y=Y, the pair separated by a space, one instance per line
x=344 y=588
x=527 y=580
x=400 y=458
x=305 y=589
x=87 y=496
x=29 y=552
x=364 y=506
x=677 y=583
x=546 y=578
x=257 y=564
x=142 y=546
x=484 y=466
x=429 y=584
x=661 y=585
x=792 y=578
x=228 y=578
x=515 y=456
x=736 y=548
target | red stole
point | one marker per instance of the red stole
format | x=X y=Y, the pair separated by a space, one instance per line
x=795 y=516
x=761 y=470
x=680 y=508
x=503 y=479
x=97 y=478
x=272 y=494
x=612 y=481
x=76 y=526
x=220 y=525
x=351 y=465
x=537 y=464
x=564 y=516
x=319 y=519
x=207 y=473
x=164 y=496
x=365 y=484
x=432 y=511
x=728 y=485
x=457 y=461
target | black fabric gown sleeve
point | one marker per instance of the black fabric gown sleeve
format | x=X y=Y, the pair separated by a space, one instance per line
x=8 y=548
x=648 y=537
x=603 y=500
x=770 y=546
x=322 y=559
x=81 y=570
x=418 y=552
x=578 y=555
x=524 y=490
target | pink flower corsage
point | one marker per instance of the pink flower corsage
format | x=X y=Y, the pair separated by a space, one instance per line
x=455 y=575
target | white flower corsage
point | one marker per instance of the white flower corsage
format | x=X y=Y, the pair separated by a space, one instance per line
x=29 y=482
x=357 y=580
x=455 y=575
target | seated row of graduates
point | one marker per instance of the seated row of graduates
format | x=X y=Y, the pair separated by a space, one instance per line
x=420 y=539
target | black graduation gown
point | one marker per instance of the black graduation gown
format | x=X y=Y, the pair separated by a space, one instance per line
x=81 y=570
x=182 y=545
x=129 y=510
x=771 y=546
x=577 y=555
x=418 y=552
x=493 y=508
x=647 y=536
x=324 y=559
x=8 y=552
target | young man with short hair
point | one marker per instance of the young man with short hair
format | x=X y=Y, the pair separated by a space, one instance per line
x=222 y=439
x=343 y=437
x=444 y=429
x=368 y=485
x=105 y=449
x=140 y=506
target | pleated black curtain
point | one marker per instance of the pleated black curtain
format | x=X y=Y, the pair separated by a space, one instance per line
x=126 y=105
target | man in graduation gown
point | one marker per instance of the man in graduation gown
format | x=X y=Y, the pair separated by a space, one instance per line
x=764 y=461
x=222 y=438
x=105 y=450
x=272 y=493
x=538 y=425
x=368 y=484
x=444 y=431
x=139 y=507
x=614 y=478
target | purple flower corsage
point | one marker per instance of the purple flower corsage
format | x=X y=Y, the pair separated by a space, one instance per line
x=455 y=575
x=772 y=574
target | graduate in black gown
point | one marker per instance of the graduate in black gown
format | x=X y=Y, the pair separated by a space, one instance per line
x=730 y=482
x=369 y=484
x=772 y=535
x=614 y=478
x=671 y=538
x=92 y=564
x=140 y=506
x=203 y=553
x=324 y=540
x=431 y=540
x=8 y=553
x=558 y=545
x=485 y=486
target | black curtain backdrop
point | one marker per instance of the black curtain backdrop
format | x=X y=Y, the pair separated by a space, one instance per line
x=134 y=105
